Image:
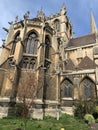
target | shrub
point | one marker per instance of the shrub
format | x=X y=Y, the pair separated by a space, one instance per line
x=48 y=117
x=96 y=109
x=84 y=106
x=95 y=114
x=89 y=118
x=96 y=120
x=18 y=129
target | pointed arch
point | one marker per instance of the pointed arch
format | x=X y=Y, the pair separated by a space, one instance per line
x=57 y=25
x=32 y=30
x=47 y=46
x=88 y=87
x=66 y=88
x=86 y=76
x=16 y=38
x=32 y=42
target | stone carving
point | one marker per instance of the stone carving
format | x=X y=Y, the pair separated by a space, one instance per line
x=16 y=19
x=26 y=16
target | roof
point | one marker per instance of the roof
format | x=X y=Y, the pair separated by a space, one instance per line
x=82 y=41
x=70 y=65
x=87 y=63
x=36 y=19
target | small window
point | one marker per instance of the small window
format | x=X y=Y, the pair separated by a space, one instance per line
x=57 y=25
x=67 y=25
x=28 y=63
x=47 y=47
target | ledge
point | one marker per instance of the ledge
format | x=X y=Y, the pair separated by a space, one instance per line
x=68 y=99
x=4 y=99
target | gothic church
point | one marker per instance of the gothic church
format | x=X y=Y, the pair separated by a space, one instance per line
x=65 y=68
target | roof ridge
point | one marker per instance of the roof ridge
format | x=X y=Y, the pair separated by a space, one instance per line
x=83 y=36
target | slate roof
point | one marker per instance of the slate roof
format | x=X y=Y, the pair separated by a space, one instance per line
x=83 y=40
x=87 y=63
x=70 y=65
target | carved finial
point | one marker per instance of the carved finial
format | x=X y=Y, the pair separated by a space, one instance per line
x=3 y=40
x=16 y=19
x=26 y=16
x=10 y=23
x=5 y=29
x=63 y=6
x=40 y=14
x=63 y=9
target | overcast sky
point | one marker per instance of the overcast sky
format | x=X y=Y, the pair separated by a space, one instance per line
x=77 y=10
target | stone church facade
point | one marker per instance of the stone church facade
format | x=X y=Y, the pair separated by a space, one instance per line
x=65 y=68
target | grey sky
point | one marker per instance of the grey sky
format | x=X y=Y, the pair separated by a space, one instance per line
x=78 y=11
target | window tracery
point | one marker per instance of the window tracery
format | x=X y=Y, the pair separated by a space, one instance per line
x=14 y=43
x=88 y=88
x=57 y=25
x=32 y=43
x=66 y=88
x=28 y=62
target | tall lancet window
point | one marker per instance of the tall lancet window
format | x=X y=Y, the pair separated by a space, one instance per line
x=32 y=43
x=47 y=47
x=14 y=43
x=57 y=25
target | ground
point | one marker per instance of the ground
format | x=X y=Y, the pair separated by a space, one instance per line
x=66 y=121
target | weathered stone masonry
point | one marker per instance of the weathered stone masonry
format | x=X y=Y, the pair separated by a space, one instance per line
x=66 y=68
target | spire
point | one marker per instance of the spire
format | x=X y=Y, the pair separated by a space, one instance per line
x=93 y=27
x=63 y=9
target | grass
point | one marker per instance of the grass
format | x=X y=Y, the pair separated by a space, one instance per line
x=49 y=123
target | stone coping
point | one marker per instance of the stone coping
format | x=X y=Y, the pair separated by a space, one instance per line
x=4 y=99
x=68 y=99
x=51 y=102
x=38 y=101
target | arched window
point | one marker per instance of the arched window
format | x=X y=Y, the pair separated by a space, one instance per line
x=47 y=47
x=14 y=43
x=88 y=87
x=57 y=25
x=66 y=88
x=32 y=43
x=28 y=63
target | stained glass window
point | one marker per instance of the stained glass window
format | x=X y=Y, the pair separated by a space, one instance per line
x=66 y=88
x=88 y=88
x=32 y=43
x=47 y=47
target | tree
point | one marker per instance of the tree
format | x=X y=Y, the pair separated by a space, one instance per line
x=26 y=94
